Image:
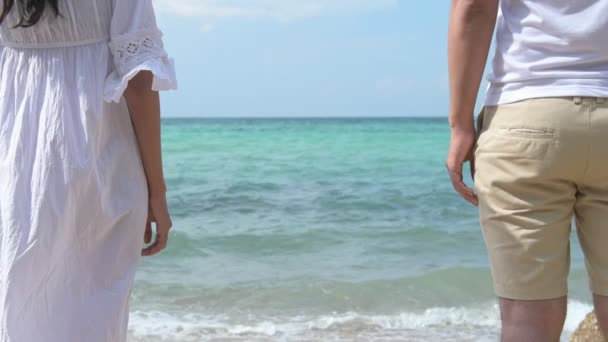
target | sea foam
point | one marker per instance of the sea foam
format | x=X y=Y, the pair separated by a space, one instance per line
x=474 y=323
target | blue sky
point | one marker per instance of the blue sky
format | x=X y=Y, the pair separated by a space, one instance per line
x=306 y=57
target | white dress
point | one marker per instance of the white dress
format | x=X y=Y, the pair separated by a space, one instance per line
x=73 y=196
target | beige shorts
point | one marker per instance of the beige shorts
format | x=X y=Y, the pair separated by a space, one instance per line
x=539 y=163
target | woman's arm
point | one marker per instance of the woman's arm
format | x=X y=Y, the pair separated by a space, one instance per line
x=144 y=106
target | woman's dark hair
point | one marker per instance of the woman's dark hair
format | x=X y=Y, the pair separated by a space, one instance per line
x=30 y=11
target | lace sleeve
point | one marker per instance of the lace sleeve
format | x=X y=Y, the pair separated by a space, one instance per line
x=131 y=49
x=137 y=45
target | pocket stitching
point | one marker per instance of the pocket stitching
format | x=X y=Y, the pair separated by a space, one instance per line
x=527 y=133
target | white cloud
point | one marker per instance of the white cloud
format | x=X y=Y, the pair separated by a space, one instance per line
x=280 y=10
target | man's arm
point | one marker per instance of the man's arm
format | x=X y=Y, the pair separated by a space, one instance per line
x=472 y=24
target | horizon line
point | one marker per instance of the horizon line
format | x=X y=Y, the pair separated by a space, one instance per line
x=302 y=117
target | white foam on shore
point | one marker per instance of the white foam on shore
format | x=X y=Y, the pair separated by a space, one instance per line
x=577 y=312
x=479 y=323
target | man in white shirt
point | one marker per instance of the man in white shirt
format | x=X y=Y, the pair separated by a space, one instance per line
x=539 y=155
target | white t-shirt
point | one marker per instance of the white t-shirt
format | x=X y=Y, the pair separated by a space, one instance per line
x=550 y=48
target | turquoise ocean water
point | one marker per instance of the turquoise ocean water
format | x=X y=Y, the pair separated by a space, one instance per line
x=318 y=230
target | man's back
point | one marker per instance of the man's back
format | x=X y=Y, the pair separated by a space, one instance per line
x=550 y=48
x=538 y=156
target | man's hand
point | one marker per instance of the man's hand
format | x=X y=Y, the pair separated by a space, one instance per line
x=462 y=145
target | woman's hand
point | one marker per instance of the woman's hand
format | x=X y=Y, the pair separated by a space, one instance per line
x=158 y=213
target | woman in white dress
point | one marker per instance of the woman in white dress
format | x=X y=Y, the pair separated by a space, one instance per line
x=81 y=177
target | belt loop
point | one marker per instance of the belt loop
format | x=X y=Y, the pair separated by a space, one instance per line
x=578 y=100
